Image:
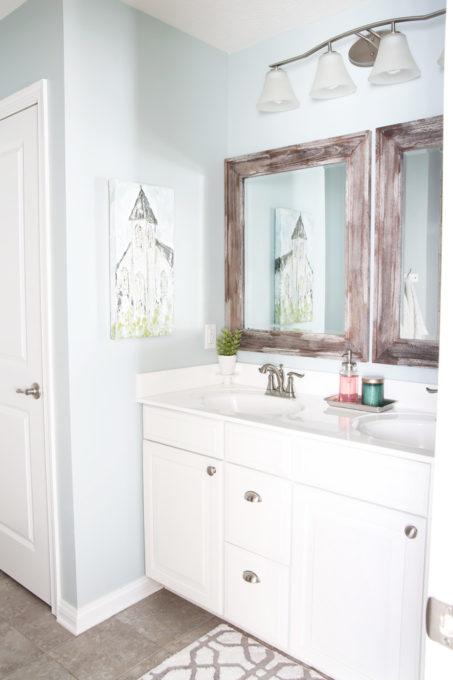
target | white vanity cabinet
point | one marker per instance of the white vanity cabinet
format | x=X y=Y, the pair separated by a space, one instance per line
x=315 y=545
x=183 y=502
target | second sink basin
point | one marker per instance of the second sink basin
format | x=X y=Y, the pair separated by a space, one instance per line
x=415 y=430
x=250 y=403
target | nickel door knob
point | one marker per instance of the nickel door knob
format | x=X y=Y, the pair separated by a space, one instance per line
x=32 y=391
x=411 y=531
x=211 y=470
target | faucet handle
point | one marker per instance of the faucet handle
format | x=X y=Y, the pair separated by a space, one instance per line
x=290 y=386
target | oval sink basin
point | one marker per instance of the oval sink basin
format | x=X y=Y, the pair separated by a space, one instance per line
x=415 y=430
x=250 y=403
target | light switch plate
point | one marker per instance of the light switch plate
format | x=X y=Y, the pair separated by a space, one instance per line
x=210 y=334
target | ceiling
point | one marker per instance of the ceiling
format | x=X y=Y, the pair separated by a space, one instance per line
x=230 y=25
x=8 y=6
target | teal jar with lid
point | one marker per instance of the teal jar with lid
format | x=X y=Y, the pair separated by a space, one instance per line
x=373 y=390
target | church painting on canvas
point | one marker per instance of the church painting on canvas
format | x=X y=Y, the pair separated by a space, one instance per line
x=141 y=260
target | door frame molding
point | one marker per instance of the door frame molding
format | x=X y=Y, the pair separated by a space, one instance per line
x=36 y=94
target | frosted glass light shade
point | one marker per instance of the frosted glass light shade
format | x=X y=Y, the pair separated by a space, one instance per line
x=394 y=61
x=277 y=94
x=332 y=79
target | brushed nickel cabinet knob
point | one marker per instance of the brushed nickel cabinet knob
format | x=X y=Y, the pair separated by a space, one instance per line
x=411 y=531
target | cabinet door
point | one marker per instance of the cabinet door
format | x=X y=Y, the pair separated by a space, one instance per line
x=357 y=587
x=183 y=527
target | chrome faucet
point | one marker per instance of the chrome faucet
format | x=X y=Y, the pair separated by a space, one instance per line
x=276 y=381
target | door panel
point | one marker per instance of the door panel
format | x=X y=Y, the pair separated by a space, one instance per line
x=24 y=540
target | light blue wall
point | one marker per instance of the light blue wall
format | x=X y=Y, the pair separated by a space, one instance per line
x=31 y=48
x=144 y=103
x=370 y=107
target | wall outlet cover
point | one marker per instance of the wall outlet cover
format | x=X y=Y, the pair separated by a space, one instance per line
x=210 y=334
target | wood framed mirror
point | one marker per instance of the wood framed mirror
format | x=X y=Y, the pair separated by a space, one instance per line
x=297 y=243
x=408 y=242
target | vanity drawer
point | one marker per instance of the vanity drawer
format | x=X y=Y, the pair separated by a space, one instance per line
x=257 y=595
x=259 y=448
x=185 y=431
x=258 y=512
x=376 y=477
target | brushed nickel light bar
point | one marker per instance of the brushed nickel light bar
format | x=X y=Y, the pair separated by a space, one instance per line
x=386 y=50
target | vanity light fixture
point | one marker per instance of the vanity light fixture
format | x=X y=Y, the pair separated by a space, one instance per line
x=387 y=51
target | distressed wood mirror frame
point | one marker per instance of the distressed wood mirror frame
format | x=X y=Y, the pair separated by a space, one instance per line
x=391 y=142
x=352 y=149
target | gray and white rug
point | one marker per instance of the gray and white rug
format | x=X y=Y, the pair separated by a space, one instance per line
x=226 y=654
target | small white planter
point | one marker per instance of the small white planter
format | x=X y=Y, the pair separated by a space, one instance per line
x=227 y=364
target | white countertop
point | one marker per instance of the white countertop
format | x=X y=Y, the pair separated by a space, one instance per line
x=307 y=413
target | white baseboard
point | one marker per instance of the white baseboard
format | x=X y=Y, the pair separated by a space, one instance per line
x=78 y=620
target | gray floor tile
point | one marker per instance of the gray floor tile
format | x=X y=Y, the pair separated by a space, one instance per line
x=146 y=665
x=189 y=636
x=43 y=630
x=43 y=669
x=103 y=652
x=15 y=650
x=164 y=617
x=18 y=604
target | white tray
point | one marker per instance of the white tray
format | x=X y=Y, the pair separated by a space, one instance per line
x=357 y=406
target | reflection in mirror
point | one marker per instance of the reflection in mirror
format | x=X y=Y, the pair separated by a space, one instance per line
x=294 y=246
x=408 y=242
x=421 y=221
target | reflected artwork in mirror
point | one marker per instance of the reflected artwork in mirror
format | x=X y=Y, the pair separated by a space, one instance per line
x=408 y=242
x=297 y=247
x=295 y=278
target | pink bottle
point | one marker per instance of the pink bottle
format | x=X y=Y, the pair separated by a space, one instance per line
x=349 y=380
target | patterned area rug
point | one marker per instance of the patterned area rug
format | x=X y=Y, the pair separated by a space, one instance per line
x=227 y=654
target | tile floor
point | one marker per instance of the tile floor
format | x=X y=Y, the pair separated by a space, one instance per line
x=33 y=646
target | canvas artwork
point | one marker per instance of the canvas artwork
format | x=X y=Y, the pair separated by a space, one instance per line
x=141 y=260
x=293 y=299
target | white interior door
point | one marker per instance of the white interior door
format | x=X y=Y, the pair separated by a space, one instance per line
x=24 y=527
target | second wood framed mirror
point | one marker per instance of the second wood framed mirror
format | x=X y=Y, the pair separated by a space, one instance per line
x=408 y=242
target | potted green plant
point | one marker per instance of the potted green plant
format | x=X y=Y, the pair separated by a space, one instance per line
x=228 y=343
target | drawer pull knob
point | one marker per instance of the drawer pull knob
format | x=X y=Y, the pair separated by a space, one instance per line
x=411 y=531
x=252 y=497
x=250 y=577
x=211 y=470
